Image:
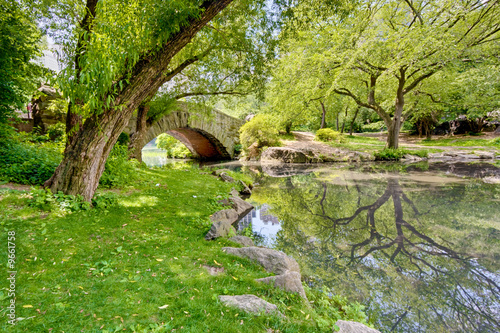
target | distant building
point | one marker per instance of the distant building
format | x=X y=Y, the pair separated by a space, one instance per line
x=49 y=58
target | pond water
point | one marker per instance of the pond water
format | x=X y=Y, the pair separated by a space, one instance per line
x=418 y=245
x=420 y=249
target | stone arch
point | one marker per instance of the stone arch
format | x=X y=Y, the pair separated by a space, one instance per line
x=210 y=136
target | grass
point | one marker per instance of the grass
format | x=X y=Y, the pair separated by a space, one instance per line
x=138 y=266
x=462 y=142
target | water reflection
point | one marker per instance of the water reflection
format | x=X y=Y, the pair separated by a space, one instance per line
x=422 y=255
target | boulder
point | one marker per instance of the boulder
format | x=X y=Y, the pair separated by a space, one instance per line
x=229 y=216
x=220 y=229
x=353 y=327
x=242 y=240
x=219 y=171
x=289 y=281
x=245 y=189
x=253 y=152
x=250 y=304
x=283 y=155
x=225 y=177
x=241 y=207
x=273 y=261
x=485 y=154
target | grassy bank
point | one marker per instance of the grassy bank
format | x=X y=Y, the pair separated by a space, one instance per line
x=137 y=266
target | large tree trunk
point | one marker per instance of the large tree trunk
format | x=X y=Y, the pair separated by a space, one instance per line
x=85 y=156
x=343 y=120
x=137 y=138
x=394 y=125
x=323 y=115
x=353 y=120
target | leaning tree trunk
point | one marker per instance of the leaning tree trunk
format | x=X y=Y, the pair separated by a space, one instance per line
x=323 y=115
x=353 y=120
x=85 y=157
x=137 y=138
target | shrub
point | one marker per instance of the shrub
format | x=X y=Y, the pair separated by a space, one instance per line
x=378 y=126
x=25 y=163
x=56 y=132
x=390 y=154
x=119 y=170
x=123 y=139
x=327 y=134
x=46 y=200
x=261 y=130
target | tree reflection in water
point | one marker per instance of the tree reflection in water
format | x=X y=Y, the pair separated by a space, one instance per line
x=422 y=258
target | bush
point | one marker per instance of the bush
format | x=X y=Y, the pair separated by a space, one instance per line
x=390 y=154
x=56 y=132
x=25 y=163
x=260 y=130
x=327 y=134
x=378 y=126
x=119 y=170
x=46 y=200
x=123 y=139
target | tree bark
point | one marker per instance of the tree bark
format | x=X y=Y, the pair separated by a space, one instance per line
x=323 y=116
x=85 y=156
x=343 y=120
x=353 y=120
x=394 y=124
x=141 y=128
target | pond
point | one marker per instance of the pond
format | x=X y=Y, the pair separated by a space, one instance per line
x=419 y=248
x=418 y=245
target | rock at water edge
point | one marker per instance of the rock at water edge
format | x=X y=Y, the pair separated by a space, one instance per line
x=220 y=229
x=242 y=240
x=289 y=281
x=353 y=327
x=273 y=261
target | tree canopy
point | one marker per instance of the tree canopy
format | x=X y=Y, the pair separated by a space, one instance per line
x=20 y=46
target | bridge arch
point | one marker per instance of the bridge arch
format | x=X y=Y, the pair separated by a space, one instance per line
x=210 y=136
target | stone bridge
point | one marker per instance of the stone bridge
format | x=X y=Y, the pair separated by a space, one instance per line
x=209 y=135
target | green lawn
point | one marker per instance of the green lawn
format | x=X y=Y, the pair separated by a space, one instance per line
x=462 y=142
x=138 y=266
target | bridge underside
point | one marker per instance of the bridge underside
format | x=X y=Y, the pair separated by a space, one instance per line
x=202 y=145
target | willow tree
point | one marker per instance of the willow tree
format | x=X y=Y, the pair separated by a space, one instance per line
x=118 y=54
x=229 y=58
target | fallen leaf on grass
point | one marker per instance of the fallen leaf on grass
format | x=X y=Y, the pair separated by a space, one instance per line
x=163 y=306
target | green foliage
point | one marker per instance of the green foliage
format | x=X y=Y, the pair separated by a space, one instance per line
x=172 y=146
x=19 y=47
x=56 y=132
x=390 y=154
x=45 y=200
x=123 y=139
x=104 y=200
x=261 y=130
x=118 y=171
x=463 y=141
x=327 y=134
x=333 y=307
x=378 y=126
x=26 y=163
